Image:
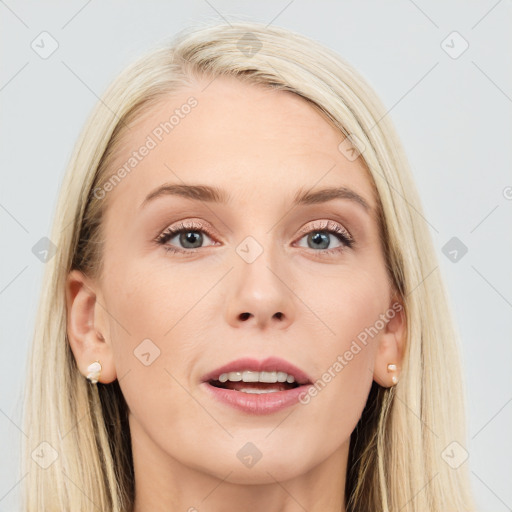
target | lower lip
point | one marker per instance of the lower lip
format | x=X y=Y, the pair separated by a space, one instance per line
x=257 y=403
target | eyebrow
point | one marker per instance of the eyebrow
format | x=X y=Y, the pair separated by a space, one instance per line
x=217 y=195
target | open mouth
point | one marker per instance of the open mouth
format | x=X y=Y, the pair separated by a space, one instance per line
x=257 y=387
x=256 y=382
x=254 y=387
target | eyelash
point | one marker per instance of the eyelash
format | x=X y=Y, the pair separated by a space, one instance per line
x=328 y=227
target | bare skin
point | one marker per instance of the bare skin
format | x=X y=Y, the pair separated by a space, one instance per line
x=260 y=146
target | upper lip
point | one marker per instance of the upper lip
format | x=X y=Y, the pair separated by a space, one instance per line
x=271 y=364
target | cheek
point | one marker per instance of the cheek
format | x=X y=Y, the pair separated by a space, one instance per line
x=153 y=343
x=349 y=306
x=151 y=299
x=346 y=303
x=151 y=328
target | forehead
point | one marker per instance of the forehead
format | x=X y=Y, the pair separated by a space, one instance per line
x=236 y=136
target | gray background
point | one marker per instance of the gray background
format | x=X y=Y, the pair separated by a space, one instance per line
x=452 y=114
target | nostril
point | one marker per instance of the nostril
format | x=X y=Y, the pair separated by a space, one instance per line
x=279 y=315
x=245 y=316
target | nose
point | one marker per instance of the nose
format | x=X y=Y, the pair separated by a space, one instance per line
x=260 y=296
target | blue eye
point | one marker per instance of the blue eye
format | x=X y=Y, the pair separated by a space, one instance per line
x=320 y=239
x=191 y=237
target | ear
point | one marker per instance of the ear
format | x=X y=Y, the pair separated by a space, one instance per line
x=86 y=326
x=391 y=345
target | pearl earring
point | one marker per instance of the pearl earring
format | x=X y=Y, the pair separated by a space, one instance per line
x=94 y=370
x=392 y=368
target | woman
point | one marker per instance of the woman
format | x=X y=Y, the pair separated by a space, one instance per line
x=242 y=311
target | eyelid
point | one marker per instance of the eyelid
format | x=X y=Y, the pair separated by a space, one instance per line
x=334 y=228
x=325 y=225
x=190 y=224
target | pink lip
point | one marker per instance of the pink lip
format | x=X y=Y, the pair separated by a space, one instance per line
x=271 y=364
x=265 y=403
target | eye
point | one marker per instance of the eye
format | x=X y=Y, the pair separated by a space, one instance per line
x=190 y=237
x=319 y=238
x=189 y=234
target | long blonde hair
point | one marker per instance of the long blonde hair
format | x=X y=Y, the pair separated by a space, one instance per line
x=397 y=458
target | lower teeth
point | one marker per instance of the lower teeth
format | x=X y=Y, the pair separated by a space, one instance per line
x=255 y=388
x=258 y=391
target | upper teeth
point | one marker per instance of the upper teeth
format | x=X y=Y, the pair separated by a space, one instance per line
x=248 y=376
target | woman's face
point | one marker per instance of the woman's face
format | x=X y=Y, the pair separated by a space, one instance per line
x=257 y=276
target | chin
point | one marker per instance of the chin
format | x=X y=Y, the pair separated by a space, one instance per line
x=260 y=473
